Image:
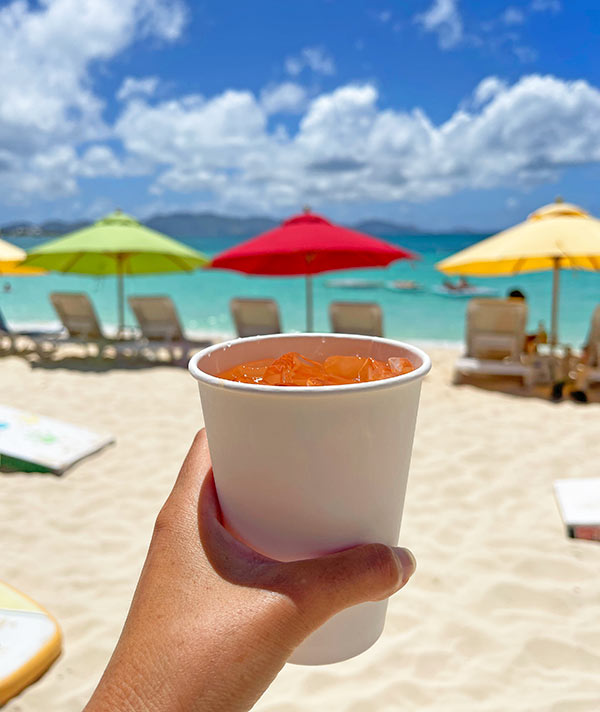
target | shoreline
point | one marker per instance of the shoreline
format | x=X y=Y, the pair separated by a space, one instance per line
x=217 y=336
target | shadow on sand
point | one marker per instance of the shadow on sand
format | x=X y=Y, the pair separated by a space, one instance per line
x=96 y=364
x=559 y=393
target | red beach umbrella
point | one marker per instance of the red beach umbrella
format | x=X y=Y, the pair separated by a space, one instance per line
x=306 y=245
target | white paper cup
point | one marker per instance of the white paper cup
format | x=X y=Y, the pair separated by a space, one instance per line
x=304 y=471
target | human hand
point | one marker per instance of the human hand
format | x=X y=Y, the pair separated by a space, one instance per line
x=212 y=621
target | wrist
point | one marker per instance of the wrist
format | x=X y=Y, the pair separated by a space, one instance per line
x=133 y=682
x=222 y=667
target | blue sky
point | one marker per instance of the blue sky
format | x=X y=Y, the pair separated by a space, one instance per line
x=442 y=113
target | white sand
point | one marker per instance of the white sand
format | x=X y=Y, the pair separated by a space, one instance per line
x=502 y=614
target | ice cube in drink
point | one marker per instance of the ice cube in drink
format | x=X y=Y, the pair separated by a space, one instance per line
x=294 y=369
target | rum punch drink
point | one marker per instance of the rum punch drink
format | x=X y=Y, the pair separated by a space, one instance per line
x=304 y=470
x=293 y=369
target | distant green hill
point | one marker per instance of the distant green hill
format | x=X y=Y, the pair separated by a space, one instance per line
x=208 y=225
x=46 y=229
x=383 y=228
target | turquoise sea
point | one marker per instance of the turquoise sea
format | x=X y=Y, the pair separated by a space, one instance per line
x=202 y=297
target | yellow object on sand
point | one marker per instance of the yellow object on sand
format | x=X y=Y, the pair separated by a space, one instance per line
x=10 y=257
x=30 y=641
x=557 y=236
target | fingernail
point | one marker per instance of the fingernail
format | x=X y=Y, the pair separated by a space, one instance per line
x=407 y=562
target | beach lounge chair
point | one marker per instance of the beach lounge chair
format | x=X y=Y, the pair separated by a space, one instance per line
x=592 y=367
x=161 y=327
x=255 y=317
x=356 y=318
x=12 y=341
x=495 y=340
x=6 y=337
x=78 y=316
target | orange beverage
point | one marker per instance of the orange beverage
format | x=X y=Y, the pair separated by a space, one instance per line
x=293 y=369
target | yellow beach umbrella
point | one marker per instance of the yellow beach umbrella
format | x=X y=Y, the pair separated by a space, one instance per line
x=10 y=258
x=557 y=236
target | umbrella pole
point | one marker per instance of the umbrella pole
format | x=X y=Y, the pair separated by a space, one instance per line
x=555 y=289
x=309 y=303
x=120 y=295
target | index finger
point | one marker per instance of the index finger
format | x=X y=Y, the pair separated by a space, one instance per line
x=195 y=467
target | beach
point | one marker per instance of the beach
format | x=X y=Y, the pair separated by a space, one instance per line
x=503 y=612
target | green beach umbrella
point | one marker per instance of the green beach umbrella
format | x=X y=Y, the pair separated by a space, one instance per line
x=116 y=245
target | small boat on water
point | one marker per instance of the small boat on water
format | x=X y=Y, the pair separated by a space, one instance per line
x=464 y=292
x=404 y=285
x=354 y=283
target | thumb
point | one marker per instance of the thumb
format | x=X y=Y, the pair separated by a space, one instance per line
x=370 y=572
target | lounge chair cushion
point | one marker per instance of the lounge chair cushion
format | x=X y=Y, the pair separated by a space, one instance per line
x=356 y=318
x=255 y=317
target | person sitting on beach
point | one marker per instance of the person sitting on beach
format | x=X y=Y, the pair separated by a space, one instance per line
x=533 y=339
x=578 y=392
x=460 y=285
x=212 y=622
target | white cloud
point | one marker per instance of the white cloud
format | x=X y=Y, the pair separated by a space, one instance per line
x=161 y=18
x=99 y=207
x=504 y=36
x=333 y=121
x=50 y=173
x=384 y=16
x=546 y=6
x=286 y=98
x=137 y=86
x=202 y=140
x=99 y=160
x=293 y=66
x=487 y=89
x=47 y=102
x=318 y=60
x=347 y=149
x=524 y=54
x=513 y=16
x=313 y=58
x=444 y=19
